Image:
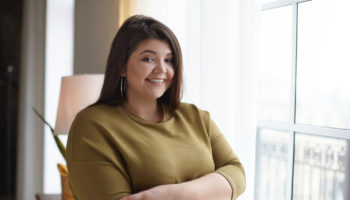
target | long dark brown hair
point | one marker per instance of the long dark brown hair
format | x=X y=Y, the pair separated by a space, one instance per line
x=135 y=30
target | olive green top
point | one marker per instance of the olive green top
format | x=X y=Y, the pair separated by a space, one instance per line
x=112 y=153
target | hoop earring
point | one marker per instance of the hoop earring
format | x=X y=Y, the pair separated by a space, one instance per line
x=122 y=86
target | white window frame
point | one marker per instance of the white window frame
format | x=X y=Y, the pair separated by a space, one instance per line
x=291 y=126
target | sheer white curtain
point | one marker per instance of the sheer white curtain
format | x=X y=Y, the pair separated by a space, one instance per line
x=227 y=68
x=218 y=40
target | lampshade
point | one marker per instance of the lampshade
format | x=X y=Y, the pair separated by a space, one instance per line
x=77 y=92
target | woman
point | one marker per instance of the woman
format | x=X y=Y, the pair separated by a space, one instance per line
x=138 y=141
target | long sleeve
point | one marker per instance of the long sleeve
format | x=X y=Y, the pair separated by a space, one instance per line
x=96 y=168
x=226 y=162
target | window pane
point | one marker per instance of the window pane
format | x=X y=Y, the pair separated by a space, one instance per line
x=321 y=168
x=274 y=71
x=272 y=157
x=323 y=83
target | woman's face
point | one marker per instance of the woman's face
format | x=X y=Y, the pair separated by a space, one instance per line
x=149 y=70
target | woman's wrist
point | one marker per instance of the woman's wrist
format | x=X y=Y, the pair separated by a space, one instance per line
x=187 y=191
x=211 y=186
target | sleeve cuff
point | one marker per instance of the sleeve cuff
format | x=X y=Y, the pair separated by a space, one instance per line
x=232 y=183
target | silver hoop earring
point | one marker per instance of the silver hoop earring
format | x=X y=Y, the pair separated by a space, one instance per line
x=122 y=86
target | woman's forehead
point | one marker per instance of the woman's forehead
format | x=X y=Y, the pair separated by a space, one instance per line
x=154 y=46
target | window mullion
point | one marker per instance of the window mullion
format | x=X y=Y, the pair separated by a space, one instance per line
x=322 y=131
x=293 y=99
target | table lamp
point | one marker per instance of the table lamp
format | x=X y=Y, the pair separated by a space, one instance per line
x=77 y=92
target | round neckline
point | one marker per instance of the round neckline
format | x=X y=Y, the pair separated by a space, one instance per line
x=165 y=110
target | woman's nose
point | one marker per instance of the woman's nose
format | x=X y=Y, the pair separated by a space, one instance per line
x=160 y=67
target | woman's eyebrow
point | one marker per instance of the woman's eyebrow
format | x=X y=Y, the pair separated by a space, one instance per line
x=153 y=52
x=148 y=51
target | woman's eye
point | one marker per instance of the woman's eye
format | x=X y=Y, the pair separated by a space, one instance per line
x=148 y=59
x=169 y=60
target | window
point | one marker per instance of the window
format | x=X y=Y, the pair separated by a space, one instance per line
x=303 y=133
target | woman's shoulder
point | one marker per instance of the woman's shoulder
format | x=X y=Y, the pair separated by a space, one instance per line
x=191 y=109
x=92 y=111
x=96 y=112
x=194 y=116
x=187 y=106
x=94 y=117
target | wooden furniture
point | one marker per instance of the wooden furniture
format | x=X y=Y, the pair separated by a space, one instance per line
x=48 y=196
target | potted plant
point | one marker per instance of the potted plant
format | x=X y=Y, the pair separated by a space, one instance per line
x=66 y=191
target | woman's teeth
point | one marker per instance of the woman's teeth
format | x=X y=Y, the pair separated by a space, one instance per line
x=156 y=80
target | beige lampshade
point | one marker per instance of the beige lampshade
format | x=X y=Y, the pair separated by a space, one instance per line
x=77 y=92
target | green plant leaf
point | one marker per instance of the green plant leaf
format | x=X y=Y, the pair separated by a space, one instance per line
x=59 y=143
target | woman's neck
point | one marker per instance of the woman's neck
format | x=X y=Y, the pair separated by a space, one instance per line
x=149 y=111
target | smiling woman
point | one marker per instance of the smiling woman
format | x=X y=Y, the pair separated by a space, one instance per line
x=138 y=141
